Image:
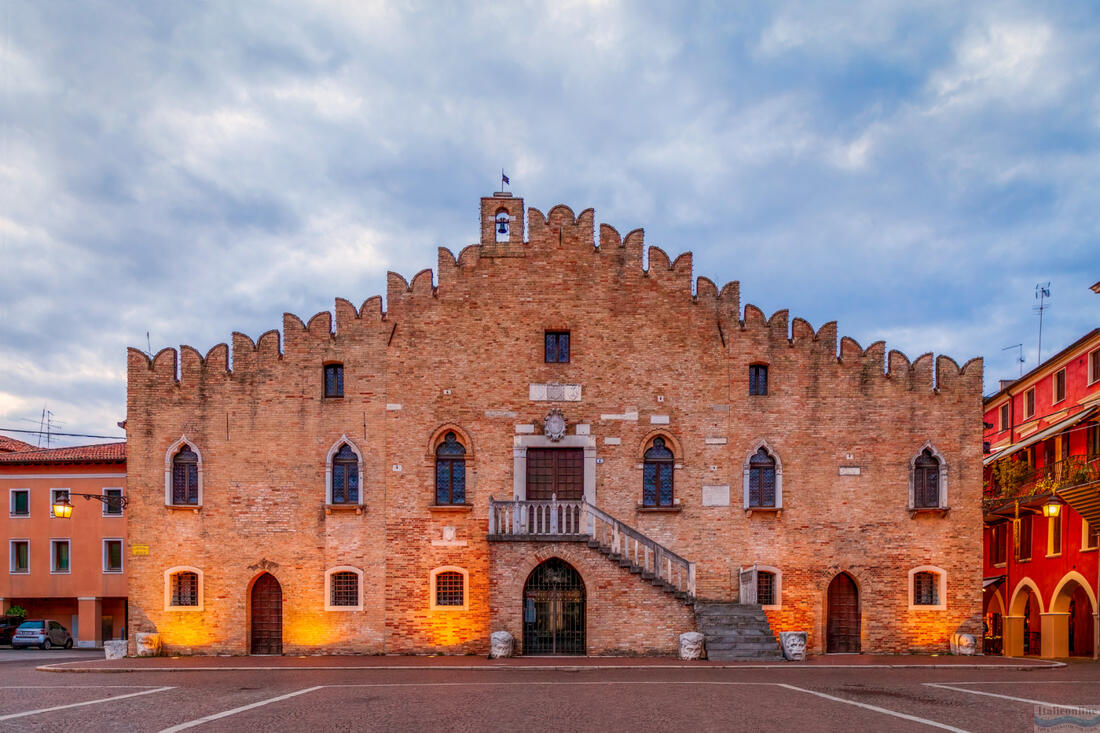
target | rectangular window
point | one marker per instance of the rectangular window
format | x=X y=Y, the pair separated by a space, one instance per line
x=20 y=556
x=334 y=380
x=758 y=379
x=1059 y=387
x=185 y=589
x=1088 y=535
x=344 y=589
x=1023 y=538
x=1054 y=534
x=55 y=496
x=557 y=347
x=1029 y=403
x=1092 y=439
x=113 y=506
x=112 y=556
x=765 y=589
x=449 y=589
x=59 y=556
x=926 y=589
x=20 y=503
x=997 y=535
x=1005 y=416
x=1094 y=366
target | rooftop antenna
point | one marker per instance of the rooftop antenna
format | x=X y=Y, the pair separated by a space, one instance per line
x=1042 y=292
x=148 y=346
x=1019 y=355
x=44 y=426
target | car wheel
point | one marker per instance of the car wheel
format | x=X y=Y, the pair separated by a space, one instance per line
x=47 y=644
x=69 y=643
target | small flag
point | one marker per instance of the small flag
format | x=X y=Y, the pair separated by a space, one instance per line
x=504 y=177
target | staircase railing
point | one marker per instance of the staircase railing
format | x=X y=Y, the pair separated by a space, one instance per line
x=553 y=518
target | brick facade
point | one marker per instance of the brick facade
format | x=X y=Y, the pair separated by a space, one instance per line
x=653 y=353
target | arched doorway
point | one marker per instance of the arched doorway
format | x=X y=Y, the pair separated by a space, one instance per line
x=1080 y=624
x=553 y=610
x=1072 y=623
x=266 y=626
x=842 y=616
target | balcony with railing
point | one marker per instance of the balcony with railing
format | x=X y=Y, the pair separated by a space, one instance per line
x=1017 y=479
x=579 y=521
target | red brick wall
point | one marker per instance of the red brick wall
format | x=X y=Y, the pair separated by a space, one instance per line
x=464 y=352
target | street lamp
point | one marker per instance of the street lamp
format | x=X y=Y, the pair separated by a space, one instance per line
x=63 y=508
x=1053 y=506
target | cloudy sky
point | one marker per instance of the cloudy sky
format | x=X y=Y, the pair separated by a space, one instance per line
x=191 y=169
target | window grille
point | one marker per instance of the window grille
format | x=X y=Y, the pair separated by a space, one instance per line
x=449 y=589
x=758 y=379
x=765 y=588
x=926 y=590
x=185 y=589
x=344 y=589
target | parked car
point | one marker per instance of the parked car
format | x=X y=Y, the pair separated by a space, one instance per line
x=42 y=633
x=7 y=627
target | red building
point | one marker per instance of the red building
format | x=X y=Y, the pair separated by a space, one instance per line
x=71 y=569
x=1042 y=507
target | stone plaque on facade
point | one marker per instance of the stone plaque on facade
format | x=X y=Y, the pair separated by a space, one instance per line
x=555 y=392
x=849 y=470
x=716 y=495
x=554 y=425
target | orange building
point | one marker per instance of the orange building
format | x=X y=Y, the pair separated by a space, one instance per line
x=71 y=570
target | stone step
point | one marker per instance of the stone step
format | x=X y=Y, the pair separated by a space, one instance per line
x=740 y=645
x=744 y=657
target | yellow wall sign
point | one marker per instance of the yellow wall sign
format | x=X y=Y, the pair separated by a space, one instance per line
x=139 y=549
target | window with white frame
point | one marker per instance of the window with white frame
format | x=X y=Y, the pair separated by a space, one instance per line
x=1029 y=403
x=112 y=555
x=927 y=589
x=769 y=587
x=1058 y=386
x=762 y=479
x=344 y=589
x=344 y=474
x=183 y=475
x=59 y=556
x=20 y=503
x=19 y=554
x=183 y=589
x=448 y=589
x=113 y=506
x=57 y=495
x=1094 y=366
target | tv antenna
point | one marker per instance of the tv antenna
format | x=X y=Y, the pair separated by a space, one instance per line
x=1019 y=355
x=1042 y=292
x=45 y=425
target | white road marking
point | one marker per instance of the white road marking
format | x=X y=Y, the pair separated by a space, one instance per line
x=1028 y=700
x=81 y=704
x=877 y=709
x=241 y=709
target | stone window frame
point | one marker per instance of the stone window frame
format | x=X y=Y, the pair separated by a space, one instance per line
x=677 y=455
x=169 y=573
x=520 y=444
x=434 y=573
x=12 y=542
x=332 y=451
x=56 y=495
x=54 y=543
x=169 y=456
x=941 y=588
x=11 y=503
x=762 y=443
x=104 y=512
x=777 y=585
x=437 y=437
x=121 y=555
x=941 y=505
x=328 y=588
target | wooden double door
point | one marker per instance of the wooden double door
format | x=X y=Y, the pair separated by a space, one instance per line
x=842 y=627
x=266 y=628
x=557 y=472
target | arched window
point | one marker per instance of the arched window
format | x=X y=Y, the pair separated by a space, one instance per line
x=450 y=471
x=657 y=475
x=185 y=477
x=762 y=483
x=927 y=480
x=345 y=476
x=183 y=589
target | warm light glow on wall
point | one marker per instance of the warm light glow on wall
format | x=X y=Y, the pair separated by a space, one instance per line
x=308 y=630
x=188 y=631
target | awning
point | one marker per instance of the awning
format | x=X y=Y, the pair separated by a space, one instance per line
x=1086 y=500
x=995 y=580
x=1041 y=435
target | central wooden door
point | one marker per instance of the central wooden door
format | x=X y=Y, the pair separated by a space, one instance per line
x=842 y=622
x=267 y=616
x=555 y=471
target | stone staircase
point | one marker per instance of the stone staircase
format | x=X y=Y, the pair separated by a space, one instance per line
x=736 y=632
x=625 y=562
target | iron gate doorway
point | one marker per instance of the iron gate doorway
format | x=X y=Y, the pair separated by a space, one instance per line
x=553 y=610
